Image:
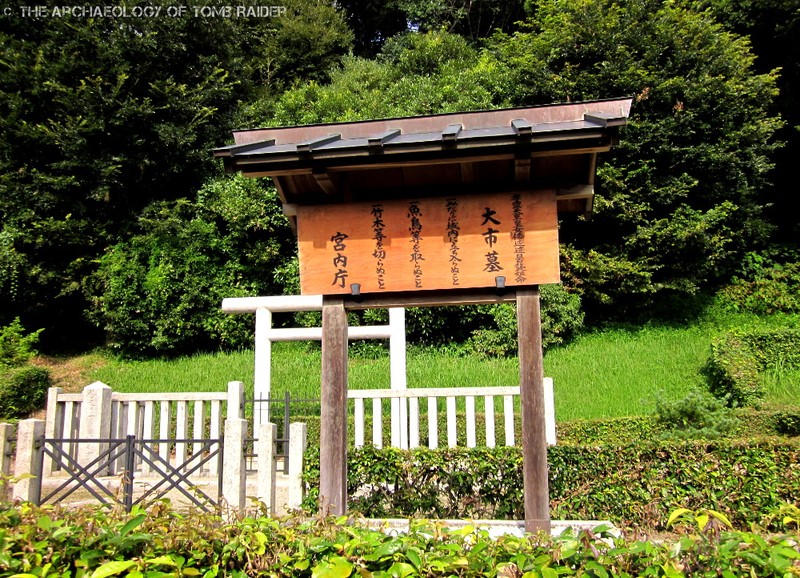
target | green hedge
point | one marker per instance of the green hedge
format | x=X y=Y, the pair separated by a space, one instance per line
x=631 y=485
x=738 y=356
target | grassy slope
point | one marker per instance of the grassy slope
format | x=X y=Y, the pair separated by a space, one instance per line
x=606 y=373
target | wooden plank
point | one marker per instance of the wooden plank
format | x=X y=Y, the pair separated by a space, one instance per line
x=488 y=412
x=359 y=423
x=181 y=423
x=470 y=417
x=508 y=419
x=433 y=424
x=184 y=396
x=214 y=426
x=377 y=423
x=163 y=430
x=413 y=423
x=198 y=430
x=534 y=437
x=452 y=437
x=148 y=424
x=432 y=392
x=429 y=299
x=333 y=419
x=457 y=242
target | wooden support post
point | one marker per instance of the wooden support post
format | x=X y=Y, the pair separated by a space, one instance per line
x=333 y=420
x=534 y=436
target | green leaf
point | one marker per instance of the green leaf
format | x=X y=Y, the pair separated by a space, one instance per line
x=132 y=523
x=165 y=560
x=113 y=568
x=677 y=514
x=334 y=567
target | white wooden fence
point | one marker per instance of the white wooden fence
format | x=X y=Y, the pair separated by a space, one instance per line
x=100 y=413
x=429 y=398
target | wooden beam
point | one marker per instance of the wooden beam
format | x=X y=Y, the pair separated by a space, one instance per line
x=428 y=299
x=534 y=432
x=522 y=169
x=333 y=418
x=326 y=183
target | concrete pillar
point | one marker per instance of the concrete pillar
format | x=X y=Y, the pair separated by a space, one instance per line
x=262 y=378
x=54 y=424
x=267 y=466
x=235 y=400
x=30 y=433
x=95 y=421
x=298 y=439
x=234 y=472
x=7 y=432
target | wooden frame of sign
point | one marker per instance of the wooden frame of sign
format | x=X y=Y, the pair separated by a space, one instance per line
x=451 y=209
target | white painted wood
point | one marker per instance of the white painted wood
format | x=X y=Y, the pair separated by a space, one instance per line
x=432 y=392
x=470 y=419
x=508 y=417
x=263 y=367
x=163 y=433
x=198 y=430
x=413 y=423
x=70 y=426
x=181 y=423
x=131 y=428
x=182 y=396
x=315 y=333
x=359 y=423
x=286 y=303
x=549 y=411
x=433 y=423
x=397 y=366
x=214 y=431
x=452 y=437
x=488 y=412
x=395 y=423
x=147 y=433
x=377 y=423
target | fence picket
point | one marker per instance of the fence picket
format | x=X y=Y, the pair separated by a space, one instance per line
x=198 y=431
x=181 y=422
x=452 y=437
x=433 y=423
x=488 y=412
x=147 y=431
x=164 y=427
x=470 y=415
x=359 y=423
x=377 y=423
x=413 y=422
x=508 y=416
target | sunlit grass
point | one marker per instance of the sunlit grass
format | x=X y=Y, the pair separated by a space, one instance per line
x=606 y=373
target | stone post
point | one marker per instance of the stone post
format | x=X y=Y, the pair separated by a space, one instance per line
x=234 y=472
x=267 y=466
x=7 y=432
x=235 y=400
x=30 y=433
x=298 y=436
x=95 y=422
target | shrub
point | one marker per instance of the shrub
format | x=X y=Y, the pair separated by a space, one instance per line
x=23 y=390
x=635 y=484
x=768 y=287
x=737 y=357
x=699 y=415
x=562 y=318
x=16 y=349
x=788 y=423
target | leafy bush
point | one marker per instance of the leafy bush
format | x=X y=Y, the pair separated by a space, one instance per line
x=637 y=485
x=163 y=542
x=15 y=348
x=788 y=423
x=738 y=356
x=767 y=286
x=699 y=415
x=562 y=318
x=23 y=390
x=159 y=293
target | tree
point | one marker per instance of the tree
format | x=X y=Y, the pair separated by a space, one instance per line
x=159 y=292
x=682 y=197
x=101 y=116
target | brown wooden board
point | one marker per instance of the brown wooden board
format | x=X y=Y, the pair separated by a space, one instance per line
x=456 y=242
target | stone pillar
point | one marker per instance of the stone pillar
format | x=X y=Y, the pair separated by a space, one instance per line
x=267 y=466
x=54 y=425
x=298 y=439
x=235 y=400
x=7 y=432
x=30 y=433
x=95 y=423
x=234 y=472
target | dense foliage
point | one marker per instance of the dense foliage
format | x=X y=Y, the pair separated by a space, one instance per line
x=162 y=542
x=23 y=387
x=106 y=120
x=636 y=485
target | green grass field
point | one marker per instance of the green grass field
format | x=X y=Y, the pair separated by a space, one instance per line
x=606 y=373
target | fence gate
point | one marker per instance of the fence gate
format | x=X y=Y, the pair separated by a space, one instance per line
x=111 y=477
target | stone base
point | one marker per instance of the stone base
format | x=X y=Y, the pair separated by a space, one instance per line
x=496 y=528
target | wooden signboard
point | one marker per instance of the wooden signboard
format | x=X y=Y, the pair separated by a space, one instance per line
x=458 y=242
